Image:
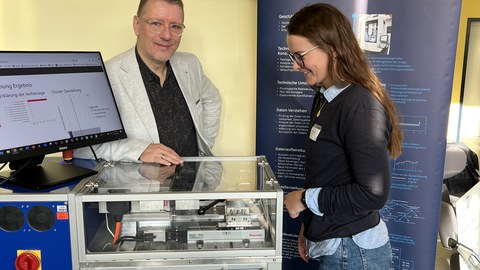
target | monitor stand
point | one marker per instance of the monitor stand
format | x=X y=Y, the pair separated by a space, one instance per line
x=47 y=175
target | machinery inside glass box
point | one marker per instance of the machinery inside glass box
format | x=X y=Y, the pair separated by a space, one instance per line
x=190 y=207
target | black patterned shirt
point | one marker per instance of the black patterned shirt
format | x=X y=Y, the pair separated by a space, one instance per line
x=172 y=116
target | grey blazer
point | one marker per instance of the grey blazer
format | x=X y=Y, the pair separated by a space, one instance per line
x=203 y=100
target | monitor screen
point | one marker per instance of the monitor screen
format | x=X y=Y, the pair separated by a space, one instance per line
x=51 y=102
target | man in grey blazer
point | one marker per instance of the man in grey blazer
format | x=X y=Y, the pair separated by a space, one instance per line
x=168 y=106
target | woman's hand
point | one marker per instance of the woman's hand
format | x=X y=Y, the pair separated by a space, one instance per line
x=302 y=245
x=293 y=203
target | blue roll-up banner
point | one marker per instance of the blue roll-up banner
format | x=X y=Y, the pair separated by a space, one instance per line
x=411 y=45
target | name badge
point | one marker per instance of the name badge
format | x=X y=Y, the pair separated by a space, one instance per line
x=315 y=131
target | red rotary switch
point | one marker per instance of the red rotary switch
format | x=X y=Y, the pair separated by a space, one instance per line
x=27 y=261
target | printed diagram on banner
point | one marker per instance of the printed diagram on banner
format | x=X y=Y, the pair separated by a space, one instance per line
x=407 y=174
x=416 y=124
x=401 y=212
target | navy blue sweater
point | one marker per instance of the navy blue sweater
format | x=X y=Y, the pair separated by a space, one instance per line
x=349 y=160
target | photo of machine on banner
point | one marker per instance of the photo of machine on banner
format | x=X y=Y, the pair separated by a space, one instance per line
x=375 y=32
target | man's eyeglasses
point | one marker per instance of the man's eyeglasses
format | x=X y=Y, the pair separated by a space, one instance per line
x=298 y=57
x=157 y=27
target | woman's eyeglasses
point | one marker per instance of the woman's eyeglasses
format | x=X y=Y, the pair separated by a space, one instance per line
x=298 y=57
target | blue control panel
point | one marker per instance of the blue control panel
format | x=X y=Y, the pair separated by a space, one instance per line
x=34 y=233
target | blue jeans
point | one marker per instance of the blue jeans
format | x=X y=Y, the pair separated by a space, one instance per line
x=349 y=256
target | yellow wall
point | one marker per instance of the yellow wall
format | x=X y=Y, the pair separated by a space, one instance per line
x=470 y=9
x=221 y=33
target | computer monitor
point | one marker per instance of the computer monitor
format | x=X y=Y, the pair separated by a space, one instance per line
x=51 y=102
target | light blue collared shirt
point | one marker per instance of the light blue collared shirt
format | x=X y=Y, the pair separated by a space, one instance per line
x=372 y=238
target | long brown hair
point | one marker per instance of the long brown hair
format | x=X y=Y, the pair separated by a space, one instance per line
x=327 y=27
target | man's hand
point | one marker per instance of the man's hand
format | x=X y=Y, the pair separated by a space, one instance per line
x=159 y=153
x=157 y=172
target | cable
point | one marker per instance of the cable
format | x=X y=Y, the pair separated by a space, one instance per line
x=22 y=166
x=203 y=209
x=118 y=230
x=467 y=253
x=3 y=177
x=138 y=238
x=106 y=245
x=94 y=154
x=108 y=227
